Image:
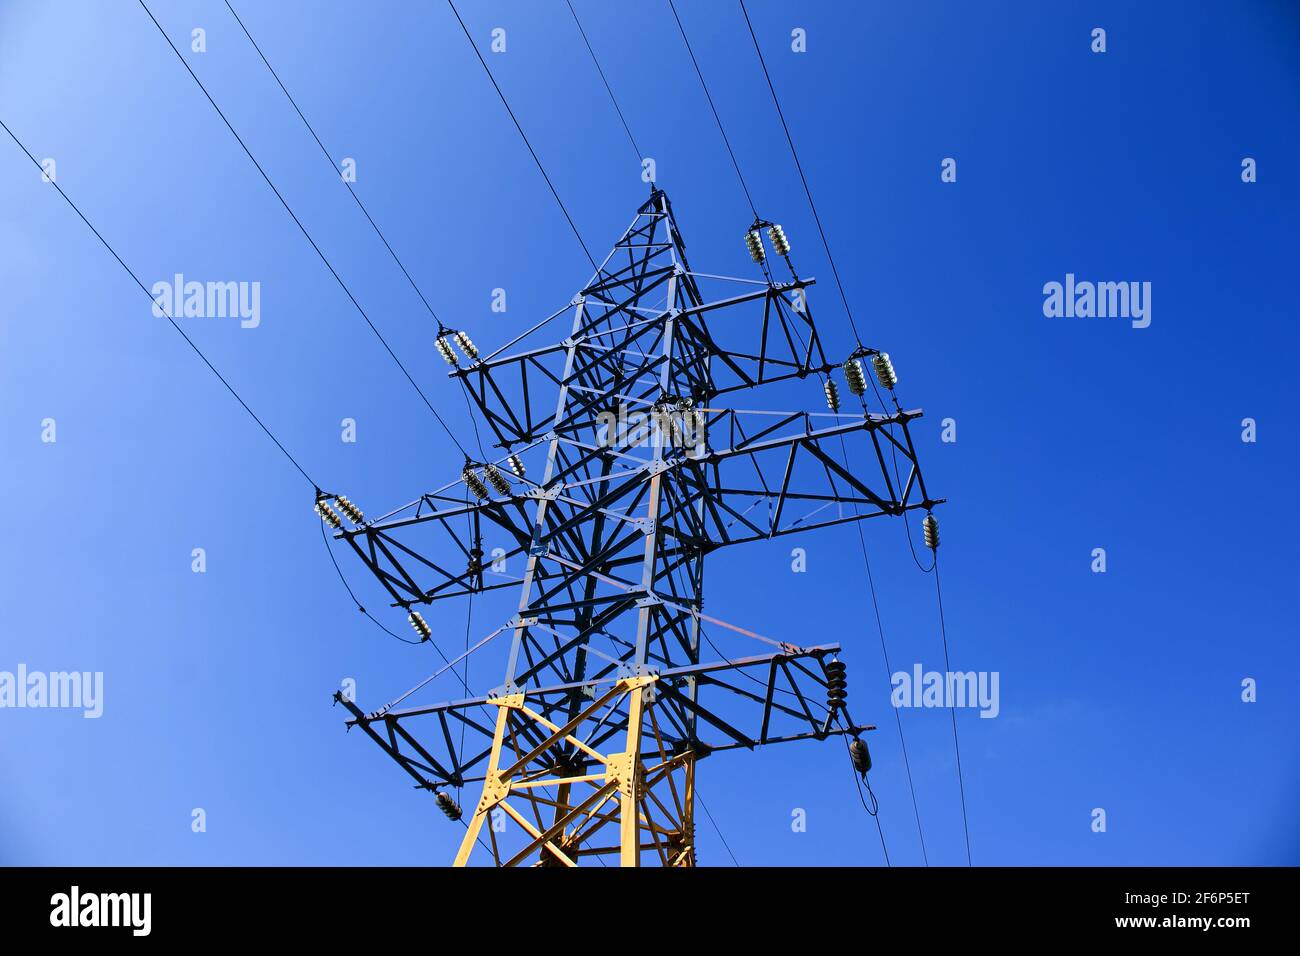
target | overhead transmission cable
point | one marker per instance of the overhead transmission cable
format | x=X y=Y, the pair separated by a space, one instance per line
x=716 y=828
x=387 y=245
x=848 y=312
x=379 y=624
x=352 y=594
x=802 y=178
x=716 y=118
x=328 y=158
x=812 y=205
x=221 y=378
x=360 y=205
x=952 y=707
x=872 y=809
x=524 y=136
x=303 y=229
x=608 y=89
x=428 y=307
x=880 y=627
x=875 y=810
x=884 y=651
x=166 y=314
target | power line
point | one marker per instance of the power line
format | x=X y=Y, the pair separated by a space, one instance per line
x=952 y=708
x=889 y=671
x=716 y=829
x=469 y=411
x=716 y=118
x=326 y=153
x=347 y=587
x=365 y=211
x=190 y=342
x=745 y=188
x=873 y=810
x=799 y=166
x=608 y=88
x=303 y=229
x=884 y=651
x=405 y=640
x=875 y=604
x=866 y=563
x=794 y=153
x=907 y=765
x=278 y=444
x=524 y=136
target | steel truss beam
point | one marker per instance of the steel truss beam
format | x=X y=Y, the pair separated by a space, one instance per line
x=729 y=481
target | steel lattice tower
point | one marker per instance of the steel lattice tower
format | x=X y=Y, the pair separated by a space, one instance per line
x=589 y=745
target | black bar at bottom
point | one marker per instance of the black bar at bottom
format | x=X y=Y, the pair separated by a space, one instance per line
x=867 y=907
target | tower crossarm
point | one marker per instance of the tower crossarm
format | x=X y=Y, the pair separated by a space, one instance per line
x=614 y=356
x=757 y=475
x=795 y=471
x=769 y=698
x=437 y=554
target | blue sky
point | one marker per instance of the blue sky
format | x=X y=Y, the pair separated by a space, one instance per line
x=1119 y=690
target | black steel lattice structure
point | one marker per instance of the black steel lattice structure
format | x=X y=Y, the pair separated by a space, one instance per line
x=623 y=466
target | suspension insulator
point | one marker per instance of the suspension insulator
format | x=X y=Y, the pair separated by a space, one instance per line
x=516 y=465
x=832 y=394
x=884 y=369
x=328 y=515
x=447 y=805
x=754 y=243
x=420 y=624
x=445 y=350
x=779 y=242
x=860 y=756
x=854 y=375
x=467 y=346
x=348 y=508
x=930 y=527
x=474 y=483
x=496 y=479
x=836 y=685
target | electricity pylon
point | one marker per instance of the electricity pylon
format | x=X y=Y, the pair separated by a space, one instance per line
x=589 y=746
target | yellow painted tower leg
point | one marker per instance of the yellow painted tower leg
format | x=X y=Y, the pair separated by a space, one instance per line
x=622 y=776
x=488 y=800
x=629 y=785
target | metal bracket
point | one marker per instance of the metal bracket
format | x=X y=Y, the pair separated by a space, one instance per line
x=623 y=768
x=494 y=791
